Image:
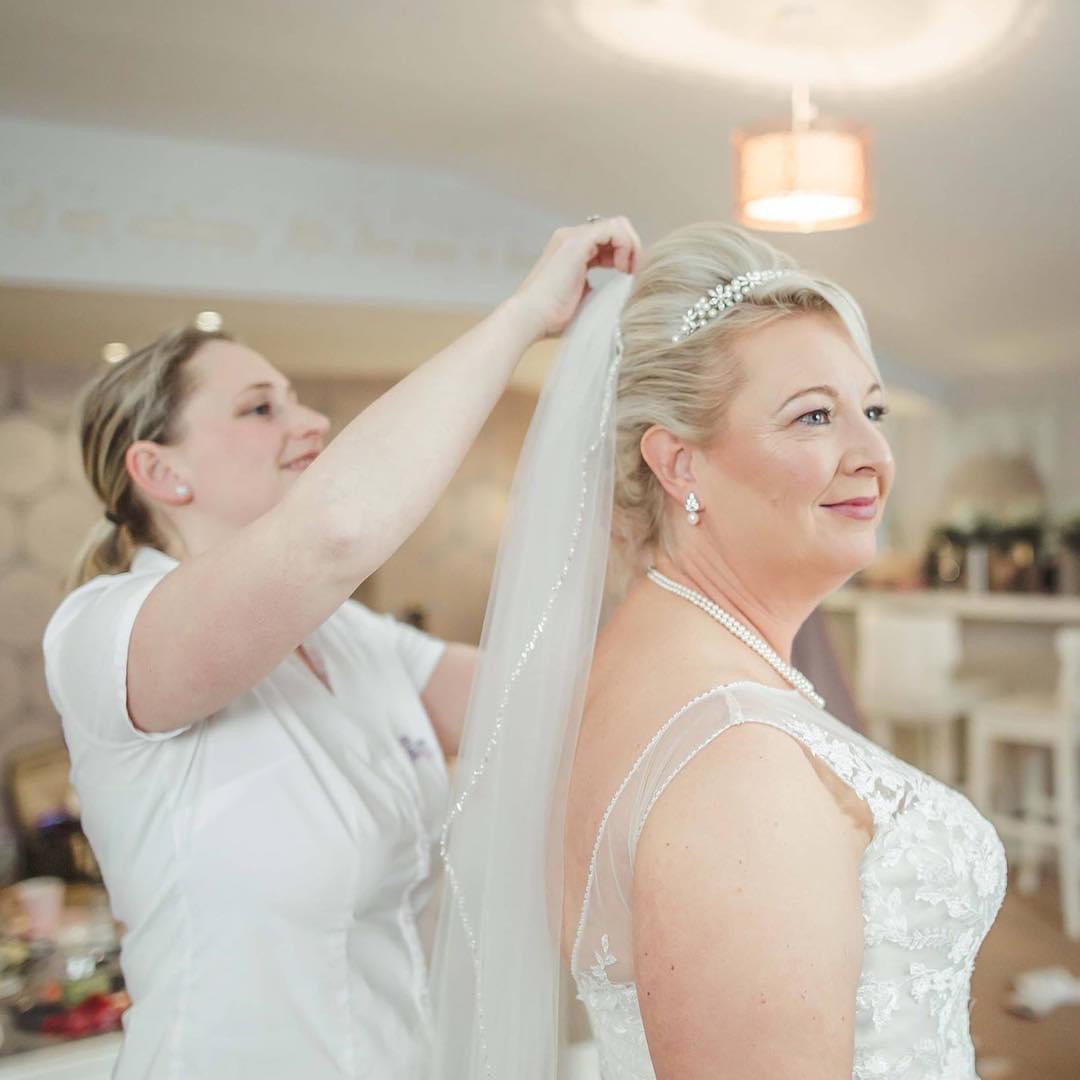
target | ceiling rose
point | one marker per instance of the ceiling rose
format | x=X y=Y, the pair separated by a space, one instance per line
x=842 y=44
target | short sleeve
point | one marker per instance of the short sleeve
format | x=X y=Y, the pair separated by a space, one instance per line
x=420 y=653
x=86 y=658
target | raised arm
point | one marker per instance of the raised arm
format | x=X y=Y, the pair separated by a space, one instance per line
x=747 y=917
x=225 y=618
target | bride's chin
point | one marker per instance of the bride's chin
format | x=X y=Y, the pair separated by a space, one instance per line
x=852 y=557
x=862 y=559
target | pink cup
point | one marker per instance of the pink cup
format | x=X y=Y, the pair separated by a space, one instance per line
x=42 y=899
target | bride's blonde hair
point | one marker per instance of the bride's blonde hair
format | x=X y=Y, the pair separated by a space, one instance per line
x=685 y=386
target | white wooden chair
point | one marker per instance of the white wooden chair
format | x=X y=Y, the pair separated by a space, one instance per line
x=905 y=674
x=1041 y=727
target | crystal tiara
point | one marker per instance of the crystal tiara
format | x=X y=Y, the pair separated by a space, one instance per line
x=721 y=298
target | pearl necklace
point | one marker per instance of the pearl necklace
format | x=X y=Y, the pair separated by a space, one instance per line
x=743 y=632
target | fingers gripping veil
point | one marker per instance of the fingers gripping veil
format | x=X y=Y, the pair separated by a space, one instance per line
x=496 y=969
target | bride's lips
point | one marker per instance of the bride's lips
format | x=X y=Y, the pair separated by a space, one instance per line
x=860 y=509
x=298 y=464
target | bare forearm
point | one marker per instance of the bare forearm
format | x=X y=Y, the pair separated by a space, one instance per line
x=380 y=477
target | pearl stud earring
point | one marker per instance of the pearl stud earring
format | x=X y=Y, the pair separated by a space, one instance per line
x=183 y=490
x=692 y=509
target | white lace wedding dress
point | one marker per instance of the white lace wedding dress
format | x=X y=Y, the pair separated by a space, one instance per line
x=932 y=877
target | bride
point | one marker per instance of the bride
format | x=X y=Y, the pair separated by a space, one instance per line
x=740 y=885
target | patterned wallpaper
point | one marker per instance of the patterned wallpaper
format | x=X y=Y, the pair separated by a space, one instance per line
x=45 y=510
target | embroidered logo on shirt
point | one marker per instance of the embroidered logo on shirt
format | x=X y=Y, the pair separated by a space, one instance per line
x=417 y=749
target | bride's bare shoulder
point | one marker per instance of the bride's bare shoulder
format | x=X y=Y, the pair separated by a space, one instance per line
x=652 y=657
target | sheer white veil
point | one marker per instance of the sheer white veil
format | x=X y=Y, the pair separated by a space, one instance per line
x=496 y=970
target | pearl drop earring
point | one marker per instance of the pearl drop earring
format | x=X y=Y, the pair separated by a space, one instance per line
x=692 y=509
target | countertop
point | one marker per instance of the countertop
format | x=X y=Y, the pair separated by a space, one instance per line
x=1000 y=607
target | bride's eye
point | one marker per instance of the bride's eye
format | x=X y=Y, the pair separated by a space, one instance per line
x=817 y=418
x=877 y=413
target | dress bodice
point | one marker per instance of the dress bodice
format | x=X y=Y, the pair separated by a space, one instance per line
x=932 y=880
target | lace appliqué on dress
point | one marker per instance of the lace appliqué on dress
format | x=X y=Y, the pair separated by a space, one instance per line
x=624 y=1051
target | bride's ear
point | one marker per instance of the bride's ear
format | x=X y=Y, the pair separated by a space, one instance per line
x=671 y=460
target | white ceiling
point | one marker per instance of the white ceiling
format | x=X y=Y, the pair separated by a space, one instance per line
x=969 y=268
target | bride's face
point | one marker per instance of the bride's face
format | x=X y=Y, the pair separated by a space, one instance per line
x=799 y=472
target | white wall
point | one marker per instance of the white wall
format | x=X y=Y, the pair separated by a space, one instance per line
x=1021 y=414
x=975 y=418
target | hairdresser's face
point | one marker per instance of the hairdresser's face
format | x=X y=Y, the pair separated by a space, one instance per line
x=244 y=437
x=796 y=480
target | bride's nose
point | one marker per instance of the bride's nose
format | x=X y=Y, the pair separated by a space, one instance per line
x=869 y=452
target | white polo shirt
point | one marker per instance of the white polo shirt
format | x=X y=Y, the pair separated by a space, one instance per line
x=269 y=862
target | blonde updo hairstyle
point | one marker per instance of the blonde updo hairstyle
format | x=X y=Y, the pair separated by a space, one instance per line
x=139 y=398
x=685 y=386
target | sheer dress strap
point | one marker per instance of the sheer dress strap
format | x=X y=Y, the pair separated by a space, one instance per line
x=607 y=902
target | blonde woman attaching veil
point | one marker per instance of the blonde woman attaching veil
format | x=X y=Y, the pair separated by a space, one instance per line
x=260 y=759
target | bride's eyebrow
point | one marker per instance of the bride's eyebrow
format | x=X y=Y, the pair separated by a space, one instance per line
x=828 y=391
